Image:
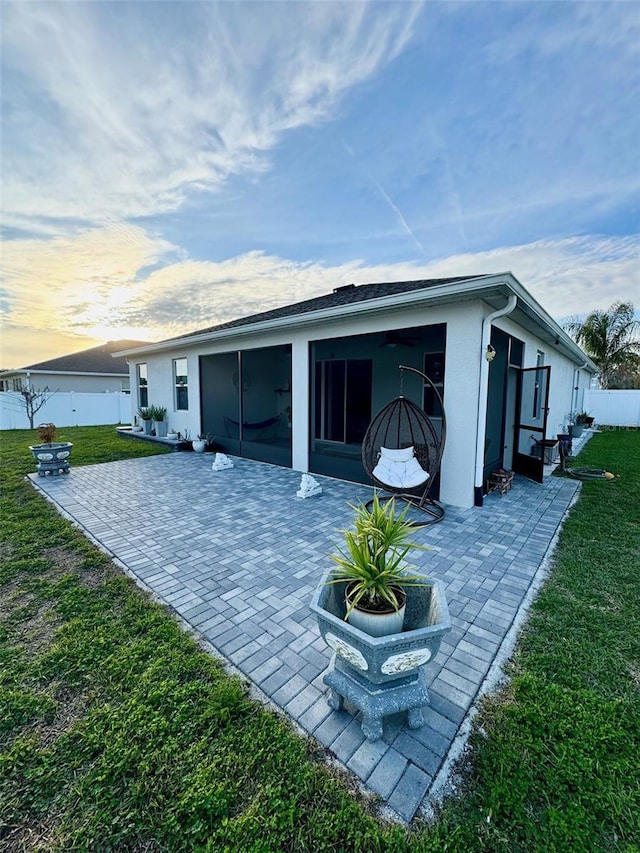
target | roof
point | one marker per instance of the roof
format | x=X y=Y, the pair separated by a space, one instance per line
x=95 y=360
x=346 y=295
x=494 y=289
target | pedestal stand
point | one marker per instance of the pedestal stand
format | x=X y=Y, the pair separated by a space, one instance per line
x=377 y=701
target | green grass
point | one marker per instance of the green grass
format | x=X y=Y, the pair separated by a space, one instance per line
x=118 y=734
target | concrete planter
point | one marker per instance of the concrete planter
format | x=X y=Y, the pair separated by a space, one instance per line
x=382 y=675
x=147 y=426
x=161 y=429
x=52 y=458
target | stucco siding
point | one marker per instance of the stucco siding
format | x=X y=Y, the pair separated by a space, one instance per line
x=565 y=376
x=465 y=370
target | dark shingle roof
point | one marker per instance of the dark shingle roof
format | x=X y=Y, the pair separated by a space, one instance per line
x=94 y=360
x=347 y=295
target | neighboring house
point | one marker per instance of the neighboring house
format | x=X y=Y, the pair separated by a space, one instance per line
x=91 y=370
x=298 y=386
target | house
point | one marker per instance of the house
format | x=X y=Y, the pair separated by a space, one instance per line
x=297 y=386
x=92 y=370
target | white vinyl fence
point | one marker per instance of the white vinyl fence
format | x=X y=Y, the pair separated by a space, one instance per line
x=67 y=408
x=613 y=408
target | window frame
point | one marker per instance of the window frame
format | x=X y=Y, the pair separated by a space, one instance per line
x=143 y=390
x=180 y=389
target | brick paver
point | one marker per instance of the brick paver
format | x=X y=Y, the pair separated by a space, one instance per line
x=238 y=556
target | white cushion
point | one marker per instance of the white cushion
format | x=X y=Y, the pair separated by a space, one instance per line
x=402 y=454
x=399 y=474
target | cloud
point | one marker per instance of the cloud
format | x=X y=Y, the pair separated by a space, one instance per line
x=122 y=281
x=122 y=110
x=76 y=284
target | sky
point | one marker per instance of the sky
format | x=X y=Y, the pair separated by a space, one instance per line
x=167 y=166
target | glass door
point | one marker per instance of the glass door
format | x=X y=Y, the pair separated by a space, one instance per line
x=532 y=408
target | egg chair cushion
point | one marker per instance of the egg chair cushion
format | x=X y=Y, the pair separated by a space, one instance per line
x=399 y=468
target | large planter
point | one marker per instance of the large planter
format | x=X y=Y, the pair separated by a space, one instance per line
x=147 y=426
x=382 y=675
x=576 y=430
x=53 y=458
x=199 y=445
x=161 y=429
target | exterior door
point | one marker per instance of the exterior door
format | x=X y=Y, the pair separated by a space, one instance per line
x=532 y=408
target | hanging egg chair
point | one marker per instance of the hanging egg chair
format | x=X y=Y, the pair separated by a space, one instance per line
x=402 y=450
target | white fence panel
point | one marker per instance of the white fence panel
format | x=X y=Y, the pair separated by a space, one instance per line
x=613 y=408
x=67 y=408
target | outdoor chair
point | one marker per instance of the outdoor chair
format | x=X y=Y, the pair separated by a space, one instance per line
x=402 y=451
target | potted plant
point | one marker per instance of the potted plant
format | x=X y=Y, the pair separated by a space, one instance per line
x=159 y=414
x=372 y=565
x=212 y=446
x=585 y=419
x=199 y=444
x=146 y=416
x=384 y=674
x=575 y=428
x=51 y=456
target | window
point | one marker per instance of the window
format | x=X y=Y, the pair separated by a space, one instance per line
x=343 y=399
x=516 y=352
x=181 y=383
x=125 y=386
x=143 y=387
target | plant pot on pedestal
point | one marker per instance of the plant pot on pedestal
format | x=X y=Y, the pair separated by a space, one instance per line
x=382 y=675
x=379 y=668
x=52 y=457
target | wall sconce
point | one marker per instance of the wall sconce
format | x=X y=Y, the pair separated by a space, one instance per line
x=490 y=354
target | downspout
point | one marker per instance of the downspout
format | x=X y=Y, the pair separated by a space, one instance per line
x=483 y=393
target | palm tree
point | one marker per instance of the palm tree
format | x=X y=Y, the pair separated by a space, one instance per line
x=610 y=338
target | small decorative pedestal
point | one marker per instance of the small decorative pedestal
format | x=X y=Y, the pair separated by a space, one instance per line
x=382 y=675
x=377 y=701
x=52 y=459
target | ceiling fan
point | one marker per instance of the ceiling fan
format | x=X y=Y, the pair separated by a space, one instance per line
x=392 y=340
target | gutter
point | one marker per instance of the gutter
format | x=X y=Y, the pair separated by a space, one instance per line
x=484 y=393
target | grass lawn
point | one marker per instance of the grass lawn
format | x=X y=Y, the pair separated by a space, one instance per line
x=118 y=734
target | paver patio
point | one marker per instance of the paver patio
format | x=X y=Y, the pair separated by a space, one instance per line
x=237 y=555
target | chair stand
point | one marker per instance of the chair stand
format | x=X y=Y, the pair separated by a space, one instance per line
x=434 y=511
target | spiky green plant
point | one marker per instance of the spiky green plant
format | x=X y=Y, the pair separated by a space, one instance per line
x=373 y=558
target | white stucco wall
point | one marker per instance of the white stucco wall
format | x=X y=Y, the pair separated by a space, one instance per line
x=464 y=358
x=463 y=321
x=565 y=376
